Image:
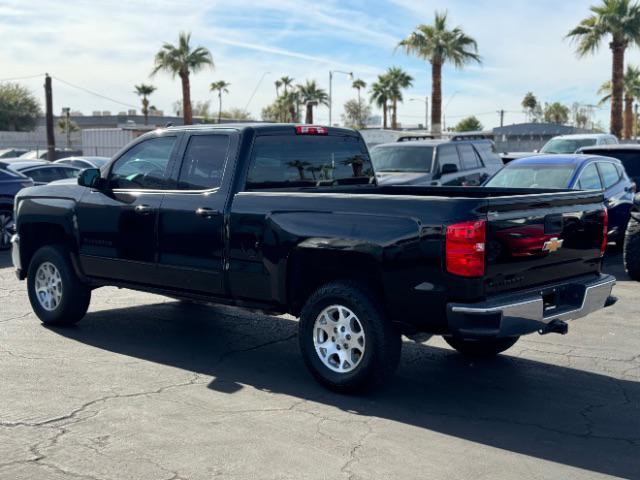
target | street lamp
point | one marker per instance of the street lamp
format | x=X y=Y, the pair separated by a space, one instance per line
x=246 y=107
x=425 y=100
x=331 y=72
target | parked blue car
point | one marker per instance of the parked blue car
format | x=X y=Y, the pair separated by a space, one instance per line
x=11 y=182
x=578 y=172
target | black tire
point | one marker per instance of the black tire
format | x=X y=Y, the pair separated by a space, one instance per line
x=485 y=348
x=6 y=220
x=381 y=353
x=75 y=296
x=632 y=249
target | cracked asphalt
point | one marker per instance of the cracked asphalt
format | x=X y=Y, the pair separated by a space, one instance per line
x=149 y=388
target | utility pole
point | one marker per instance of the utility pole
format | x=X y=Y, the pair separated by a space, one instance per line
x=51 y=139
x=67 y=120
x=501 y=112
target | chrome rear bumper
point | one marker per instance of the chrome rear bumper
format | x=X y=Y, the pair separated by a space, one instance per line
x=526 y=312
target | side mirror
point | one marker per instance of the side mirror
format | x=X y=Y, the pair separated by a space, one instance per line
x=536 y=150
x=449 y=168
x=90 y=177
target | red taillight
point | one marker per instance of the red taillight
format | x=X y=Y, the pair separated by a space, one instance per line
x=310 y=130
x=605 y=228
x=465 y=248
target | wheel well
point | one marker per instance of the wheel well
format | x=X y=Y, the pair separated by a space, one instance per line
x=38 y=234
x=308 y=270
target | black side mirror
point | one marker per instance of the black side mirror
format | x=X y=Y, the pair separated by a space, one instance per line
x=90 y=177
x=449 y=168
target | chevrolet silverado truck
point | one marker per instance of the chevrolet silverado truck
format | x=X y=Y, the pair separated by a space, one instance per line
x=290 y=219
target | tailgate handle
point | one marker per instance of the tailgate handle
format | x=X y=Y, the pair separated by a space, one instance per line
x=553 y=223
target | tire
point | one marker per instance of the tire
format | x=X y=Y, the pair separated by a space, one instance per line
x=481 y=348
x=374 y=347
x=632 y=249
x=63 y=298
x=6 y=223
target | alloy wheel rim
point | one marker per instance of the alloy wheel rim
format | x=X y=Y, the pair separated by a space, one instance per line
x=6 y=222
x=48 y=286
x=339 y=340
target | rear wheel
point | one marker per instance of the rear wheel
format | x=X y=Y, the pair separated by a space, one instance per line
x=6 y=229
x=57 y=295
x=346 y=340
x=489 y=347
x=632 y=249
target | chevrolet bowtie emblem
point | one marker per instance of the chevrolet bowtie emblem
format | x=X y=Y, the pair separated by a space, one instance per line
x=552 y=245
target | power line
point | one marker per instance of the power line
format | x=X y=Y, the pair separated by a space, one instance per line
x=94 y=93
x=21 y=78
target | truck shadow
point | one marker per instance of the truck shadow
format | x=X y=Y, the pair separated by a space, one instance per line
x=543 y=410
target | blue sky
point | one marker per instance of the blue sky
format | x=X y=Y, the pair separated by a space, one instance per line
x=108 y=47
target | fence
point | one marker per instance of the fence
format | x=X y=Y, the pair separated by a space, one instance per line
x=106 y=142
x=37 y=140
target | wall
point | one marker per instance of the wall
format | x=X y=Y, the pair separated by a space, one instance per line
x=105 y=142
x=37 y=139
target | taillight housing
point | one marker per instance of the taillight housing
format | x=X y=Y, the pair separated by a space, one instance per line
x=311 y=130
x=465 y=248
x=605 y=229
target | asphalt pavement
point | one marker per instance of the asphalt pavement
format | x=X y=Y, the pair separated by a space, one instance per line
x=149 y=388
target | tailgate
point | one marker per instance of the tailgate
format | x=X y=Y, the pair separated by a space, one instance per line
x=540 y=238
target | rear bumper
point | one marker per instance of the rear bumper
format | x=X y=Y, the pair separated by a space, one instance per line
x=529 y=311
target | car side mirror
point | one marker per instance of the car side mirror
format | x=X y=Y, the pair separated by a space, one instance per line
x=535 y=150
x=449 y=168
x=90 y=177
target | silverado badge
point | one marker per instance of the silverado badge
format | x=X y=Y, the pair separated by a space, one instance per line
x=552 y=245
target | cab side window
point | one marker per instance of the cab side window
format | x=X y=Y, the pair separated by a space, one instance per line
x=609 y=173
x=469 y=157
x=204 y=162
x=144 y=166
x=448 y=155
x=589 y=179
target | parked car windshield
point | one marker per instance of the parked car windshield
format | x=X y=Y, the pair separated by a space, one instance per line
x=533 y=176
x=566 y=145
x=402 y=159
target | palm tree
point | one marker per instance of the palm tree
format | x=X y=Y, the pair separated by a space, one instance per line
x=286 y=106
x=398 y=80
x=285 y=82
x=529 y=103
x=278 y=84
x=631 y=89
x=312 y=96
x=380 y=94
x=221 y=87
x=182 y=60
x=619 y=22
x=359 y=84
x=437 y=44
x=144 y=91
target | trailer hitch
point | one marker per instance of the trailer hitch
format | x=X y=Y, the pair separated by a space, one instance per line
x=554 y=326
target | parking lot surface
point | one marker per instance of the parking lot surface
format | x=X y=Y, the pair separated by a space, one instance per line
x=149 y=388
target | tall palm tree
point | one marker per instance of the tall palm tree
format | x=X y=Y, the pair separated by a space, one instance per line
x=619 y=22
x=631 y=89
x=278 y=84
x=286 y=82
x=398 y=80
x=359 y=84
x=380 y=95
x=437 y=44
x=182 y=60
x=221 y=87
x=312 y=96
x=144 y=91
x=286 y=106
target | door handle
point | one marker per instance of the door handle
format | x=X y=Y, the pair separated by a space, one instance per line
x=143 y=209
x=207 y=212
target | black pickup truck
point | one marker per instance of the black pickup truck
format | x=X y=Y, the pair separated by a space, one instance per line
x=289 y=219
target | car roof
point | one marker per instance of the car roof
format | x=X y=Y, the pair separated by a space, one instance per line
x=77 y=157
x=258 y=126
x=617 y=146
x=556 y=159
x=28 y=164
x=434 y=143
x=581 y=136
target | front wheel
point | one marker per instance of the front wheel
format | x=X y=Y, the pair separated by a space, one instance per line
x=489 y=347
x=347 y=341
x=6 y=229
x=632 y=249
x=57 y=295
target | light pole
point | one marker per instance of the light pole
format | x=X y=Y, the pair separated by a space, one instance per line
x=425 y=100
x=331 y=72
x=255 y=90
x=444 y=123
x=67 y=111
